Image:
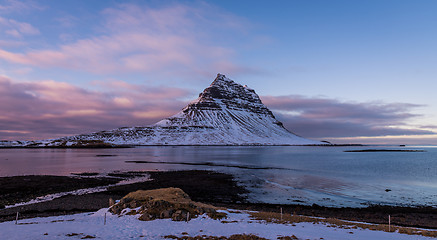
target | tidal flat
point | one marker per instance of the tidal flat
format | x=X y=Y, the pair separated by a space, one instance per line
x=218 y=189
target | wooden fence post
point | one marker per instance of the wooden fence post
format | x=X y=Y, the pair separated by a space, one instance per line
x=389 y=223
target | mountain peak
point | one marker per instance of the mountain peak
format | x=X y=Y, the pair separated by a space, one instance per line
x=224 y=93
x=225 y=88
x=221 y=79
x=222 y=82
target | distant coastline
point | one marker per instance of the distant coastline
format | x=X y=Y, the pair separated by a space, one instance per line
x=105 y=145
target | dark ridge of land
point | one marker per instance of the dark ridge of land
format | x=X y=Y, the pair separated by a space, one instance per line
x=25 y=188
x=385 y=150
x=86 y=174
x=200 y=185
x=68 y=147
x=214 y=188
x=208 y=164
x=336 y=145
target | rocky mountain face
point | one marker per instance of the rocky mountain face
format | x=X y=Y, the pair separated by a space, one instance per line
x=225 y=113
x=223 y=98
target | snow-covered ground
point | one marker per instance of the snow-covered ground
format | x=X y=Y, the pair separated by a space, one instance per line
x=129 y=227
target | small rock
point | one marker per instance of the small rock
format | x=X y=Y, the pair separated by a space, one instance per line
x=87 y=237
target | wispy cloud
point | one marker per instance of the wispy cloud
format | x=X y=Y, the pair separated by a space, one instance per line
x=48 y=109
x=10 y=6
x=134 y=38
x=330 y=118
x=13 y=28
x=17 y=29
x=10 y=43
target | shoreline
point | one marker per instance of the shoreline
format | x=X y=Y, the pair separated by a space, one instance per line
x=218 y=189
x=178 y=145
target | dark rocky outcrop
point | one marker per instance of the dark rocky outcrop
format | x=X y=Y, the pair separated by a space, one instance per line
x=231 y=94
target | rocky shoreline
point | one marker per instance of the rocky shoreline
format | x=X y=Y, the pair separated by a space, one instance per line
x=209 y=187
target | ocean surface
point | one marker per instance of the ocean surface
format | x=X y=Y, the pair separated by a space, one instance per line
x=326 y=176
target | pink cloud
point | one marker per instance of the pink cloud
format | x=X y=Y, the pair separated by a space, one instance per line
x=141 y=39
x=329 y=118
x=46 y=109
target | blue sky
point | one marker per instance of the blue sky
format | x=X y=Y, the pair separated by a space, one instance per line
x=344 y=71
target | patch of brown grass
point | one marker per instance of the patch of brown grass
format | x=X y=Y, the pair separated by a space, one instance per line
x=164 y=203
x=333 y=222
x=232 y=237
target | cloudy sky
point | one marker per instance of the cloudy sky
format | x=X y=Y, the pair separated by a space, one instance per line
x=343 y=71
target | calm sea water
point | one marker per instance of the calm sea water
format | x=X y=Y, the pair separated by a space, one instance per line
x=278 y=174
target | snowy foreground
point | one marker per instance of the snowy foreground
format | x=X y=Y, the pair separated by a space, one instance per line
x=91 y=225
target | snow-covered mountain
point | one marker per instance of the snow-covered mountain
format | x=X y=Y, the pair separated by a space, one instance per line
x=225 y=113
